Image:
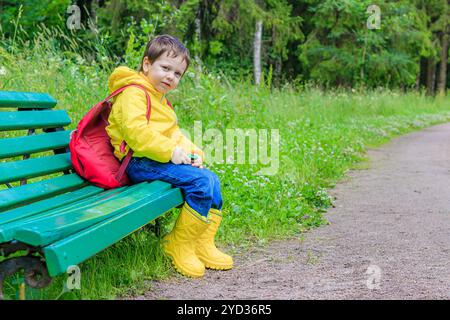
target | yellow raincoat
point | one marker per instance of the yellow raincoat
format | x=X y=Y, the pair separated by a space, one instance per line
x=127 y=121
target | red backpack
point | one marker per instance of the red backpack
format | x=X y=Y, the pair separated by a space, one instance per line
x=91 y=151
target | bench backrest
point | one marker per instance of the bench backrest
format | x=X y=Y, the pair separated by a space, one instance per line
x=33 y=144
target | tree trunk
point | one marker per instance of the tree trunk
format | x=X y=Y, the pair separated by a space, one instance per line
x=422 y=75
x=92 y=22
x=115 y=8
x=96 y=4
x=198 y=39
x=431 y=75
x=86 y=10
x=257 y=53
x=278 y=69
x=442 y=78
x=363 y=60
x=417 y=86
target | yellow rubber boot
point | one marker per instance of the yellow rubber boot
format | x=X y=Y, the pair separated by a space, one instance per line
x=180 y=242
x=206 y=249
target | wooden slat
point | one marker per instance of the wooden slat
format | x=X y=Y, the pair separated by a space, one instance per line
x=14 y=99
x=41 y=232
x=33 y=119
x=7 y=229
x=13 y=147
x=25 y=194
x=47 y=204
x=86 y=243
x=36 y=167
x=11 y=219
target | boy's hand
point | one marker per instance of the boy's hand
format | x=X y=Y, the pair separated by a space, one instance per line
x=180 y=157
x=197 y=162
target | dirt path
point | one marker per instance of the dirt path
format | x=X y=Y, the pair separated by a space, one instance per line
x=388 y=238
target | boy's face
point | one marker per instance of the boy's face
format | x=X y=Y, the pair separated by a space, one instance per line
x=165 y=72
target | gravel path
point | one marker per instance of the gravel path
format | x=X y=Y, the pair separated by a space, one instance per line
x=388 y=237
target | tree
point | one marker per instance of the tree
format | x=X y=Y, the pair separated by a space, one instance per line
x=434 y=16
x=257 y=52
x=442 y=80
x=341 y=51
x=323 y=41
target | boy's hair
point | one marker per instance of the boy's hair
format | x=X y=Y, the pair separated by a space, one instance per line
x=165 y=44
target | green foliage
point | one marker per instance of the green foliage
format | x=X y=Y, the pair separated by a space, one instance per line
x=324 y=42
x=342 y=51
x=48 y=12
x=322 y=136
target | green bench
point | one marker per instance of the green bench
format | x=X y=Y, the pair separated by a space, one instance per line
x=58 y=220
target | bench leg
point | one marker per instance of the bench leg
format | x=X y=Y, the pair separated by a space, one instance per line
x=155 y=228
x=35 y=271
x=158 y=227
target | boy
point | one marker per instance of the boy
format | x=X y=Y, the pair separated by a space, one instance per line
x=160 y=152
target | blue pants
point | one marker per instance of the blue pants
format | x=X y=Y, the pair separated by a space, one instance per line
x=200 y=187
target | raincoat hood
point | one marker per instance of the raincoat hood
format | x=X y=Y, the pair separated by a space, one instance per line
x=123 y=76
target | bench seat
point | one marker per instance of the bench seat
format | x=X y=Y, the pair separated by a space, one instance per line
x=72 y=231
x=59 y=217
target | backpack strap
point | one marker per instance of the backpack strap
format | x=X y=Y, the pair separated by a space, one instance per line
x=169 y=104
x=124 y=164
x=127 y=158
x=149 y=101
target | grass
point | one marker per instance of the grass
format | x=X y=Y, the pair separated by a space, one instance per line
x=322 y=136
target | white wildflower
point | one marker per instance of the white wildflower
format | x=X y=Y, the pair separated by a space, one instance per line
x=2 y=71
